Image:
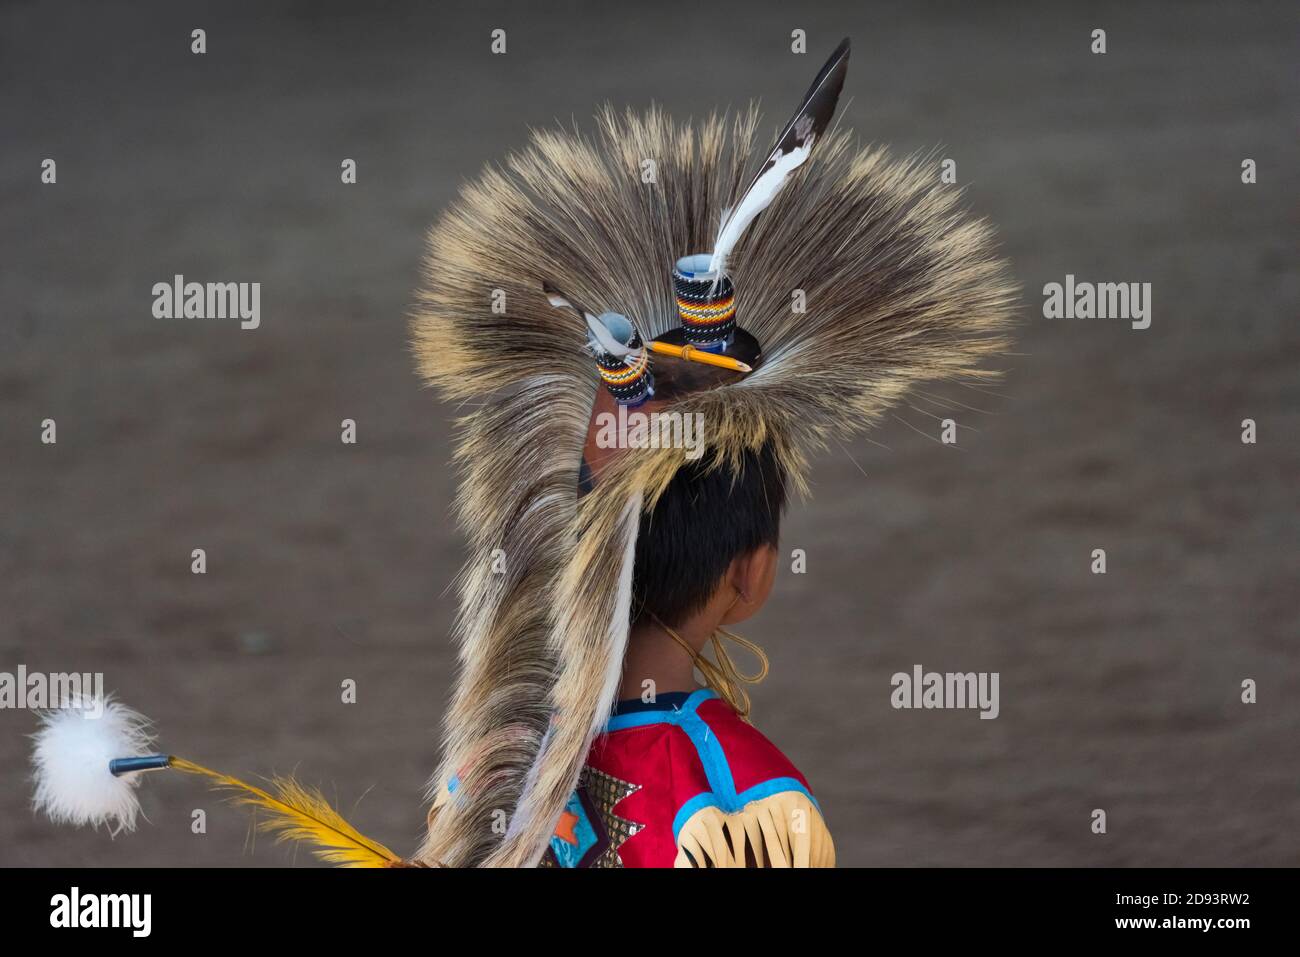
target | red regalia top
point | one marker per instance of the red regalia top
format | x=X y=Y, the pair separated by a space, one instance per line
x=685 y=782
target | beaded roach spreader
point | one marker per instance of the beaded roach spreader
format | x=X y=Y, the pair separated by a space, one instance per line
x=706 y=303
x=628 y=378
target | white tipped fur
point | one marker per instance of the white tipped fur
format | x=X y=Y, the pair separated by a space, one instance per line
x=70 y=758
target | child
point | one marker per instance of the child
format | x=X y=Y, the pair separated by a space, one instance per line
x=679 y=776
x=576 y=735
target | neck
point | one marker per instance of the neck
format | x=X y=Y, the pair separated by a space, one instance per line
x=653 y=656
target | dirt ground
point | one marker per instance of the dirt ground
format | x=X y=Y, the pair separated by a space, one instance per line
x=327 y=562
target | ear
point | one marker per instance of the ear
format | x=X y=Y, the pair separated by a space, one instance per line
x=750 y=576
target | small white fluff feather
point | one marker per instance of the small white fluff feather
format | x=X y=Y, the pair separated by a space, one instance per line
x=759 y=197
x=70 y=758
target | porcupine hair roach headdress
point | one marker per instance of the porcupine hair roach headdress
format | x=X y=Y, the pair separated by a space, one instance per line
x=901 y=286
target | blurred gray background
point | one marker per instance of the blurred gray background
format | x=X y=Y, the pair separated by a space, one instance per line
x=328 y=562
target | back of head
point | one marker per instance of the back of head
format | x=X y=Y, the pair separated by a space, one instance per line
x=705 y=518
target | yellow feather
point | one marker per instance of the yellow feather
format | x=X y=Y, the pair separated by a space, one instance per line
x=298 y=813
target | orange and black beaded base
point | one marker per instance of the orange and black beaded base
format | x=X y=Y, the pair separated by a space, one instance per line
x=629 y=380
x=706 y=304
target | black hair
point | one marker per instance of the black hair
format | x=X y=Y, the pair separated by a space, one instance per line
x=706 y=517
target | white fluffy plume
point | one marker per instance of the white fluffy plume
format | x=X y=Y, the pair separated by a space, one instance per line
x=70 y=757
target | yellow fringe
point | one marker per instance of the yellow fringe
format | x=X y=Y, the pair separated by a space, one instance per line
x=781 y=830
x=298 y=813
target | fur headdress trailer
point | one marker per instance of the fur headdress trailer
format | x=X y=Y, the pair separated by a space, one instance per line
x=899 y=285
